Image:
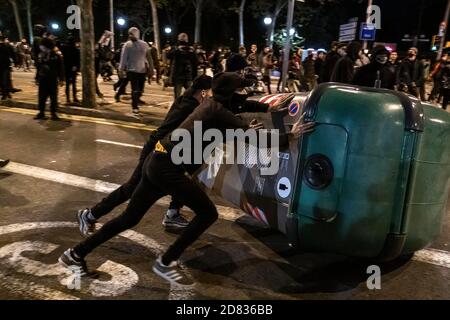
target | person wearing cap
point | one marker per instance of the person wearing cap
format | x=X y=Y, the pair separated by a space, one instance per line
x=183 y=64
x=162 y=176
x=50 y=71
x=136 y=61
x=376 y=74
x=411 y=74
x=179 y=111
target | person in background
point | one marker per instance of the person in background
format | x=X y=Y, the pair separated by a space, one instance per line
x=24 y=51
x=319 y=65
x=444 y=81
x=310 y=72
x=330 y=61
x=252 y=58
x=184 y=65
x=436 y=92
x=394 y=65
x=6 y=57
x=50 y=72
x=376 y=74
x=411 y=74
x=267 y=63
x=136 y=61
x=202 y=59
x=156 y=64
x=243 y=51
x=344 y=70
x=362 y=60
x=71 y=56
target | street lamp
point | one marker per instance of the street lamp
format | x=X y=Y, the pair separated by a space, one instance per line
x=121 y=22
x=267 y=21
x=168 y=30
x=55 y=26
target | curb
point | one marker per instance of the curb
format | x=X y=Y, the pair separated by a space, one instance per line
x=147 y=118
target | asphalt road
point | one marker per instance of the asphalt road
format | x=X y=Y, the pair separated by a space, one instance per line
x=235 y=259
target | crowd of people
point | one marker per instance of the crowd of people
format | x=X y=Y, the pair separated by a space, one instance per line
x=58 y=63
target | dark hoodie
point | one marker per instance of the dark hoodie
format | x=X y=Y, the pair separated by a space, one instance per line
x=344 y=69
x=368 y=75
x=183 y=63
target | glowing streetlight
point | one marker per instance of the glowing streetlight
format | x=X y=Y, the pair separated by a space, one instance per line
x=55 y=26
x=168 y=30
x=267 y=21
x=121 y=22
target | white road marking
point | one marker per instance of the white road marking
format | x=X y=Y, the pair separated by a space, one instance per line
x=115 y=123
x=120 y=274
x=433 y=256
x=226 y=213
x=119 y=143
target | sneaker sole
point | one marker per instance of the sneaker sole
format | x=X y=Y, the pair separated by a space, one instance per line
x=177 y=226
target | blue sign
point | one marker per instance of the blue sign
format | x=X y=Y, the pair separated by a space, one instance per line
x=368 y=32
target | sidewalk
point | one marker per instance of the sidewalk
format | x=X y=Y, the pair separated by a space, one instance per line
x=158 y=101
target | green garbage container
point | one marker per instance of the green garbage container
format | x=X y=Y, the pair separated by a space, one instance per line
x=371 y=181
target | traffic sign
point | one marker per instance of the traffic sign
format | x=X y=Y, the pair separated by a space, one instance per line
x=368 y=32
x=347 y=32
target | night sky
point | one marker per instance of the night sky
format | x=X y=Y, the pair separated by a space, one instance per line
x=398 y=18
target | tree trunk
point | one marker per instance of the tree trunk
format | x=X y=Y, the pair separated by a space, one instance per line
x=198 y=4
x=272 y=31
x=30 y=21
x=17 y=17
x=87 y=54
x=241 y=22
x=279 y=6
x=155 y=22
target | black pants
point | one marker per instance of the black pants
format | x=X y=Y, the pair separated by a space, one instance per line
x=48 y=88
x=268 y=82
x=177 y=86
x=137 y=87
x=160 y=177
x=446 y=94
x=71 y=80
x=4 y=82
x=125 y=191
x=122 y=86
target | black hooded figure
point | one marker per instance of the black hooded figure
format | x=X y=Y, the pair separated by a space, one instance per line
x=50 y=71
x=377 y=73
x=184 y=65
x=71 y=55
x=344 y=69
